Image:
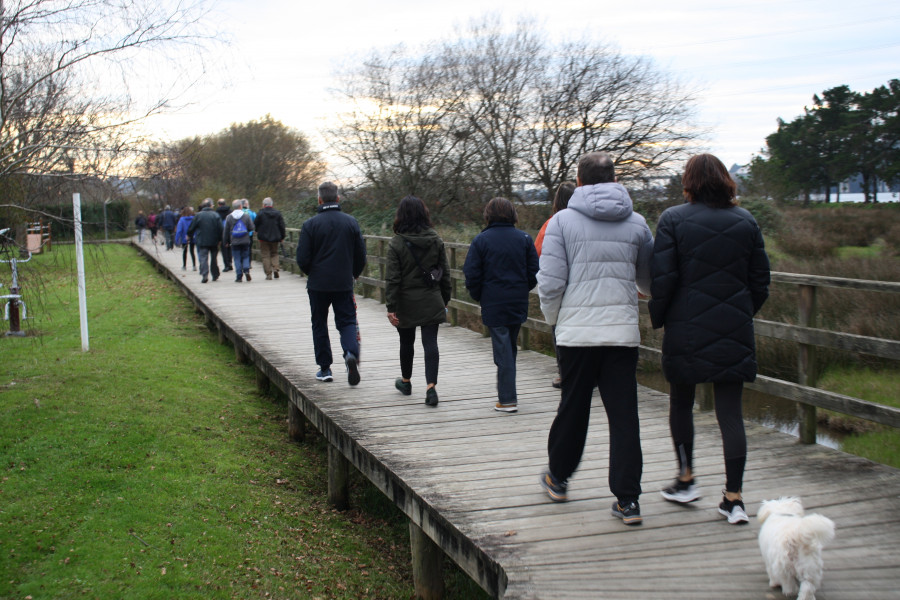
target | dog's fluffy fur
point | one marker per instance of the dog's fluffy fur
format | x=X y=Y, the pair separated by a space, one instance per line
x=791 y=544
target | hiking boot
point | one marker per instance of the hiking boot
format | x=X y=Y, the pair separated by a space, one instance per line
x=630 y=513
x=405 y=387
x=275 y=274
x=431 y=398
x=507 y=408
x=555 y=489
x=733 y=510
x=557 y=383
x=247 y=275
x=324 y=375
x=204 y=280
x=681 y=492
x=352 y=369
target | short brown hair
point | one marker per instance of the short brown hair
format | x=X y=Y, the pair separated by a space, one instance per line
x=596 y=167
x=500 y=210
x=706 y=180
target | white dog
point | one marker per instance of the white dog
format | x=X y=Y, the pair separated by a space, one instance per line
x=791 y=545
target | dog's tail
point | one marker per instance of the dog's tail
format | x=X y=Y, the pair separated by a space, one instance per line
x=816 y=531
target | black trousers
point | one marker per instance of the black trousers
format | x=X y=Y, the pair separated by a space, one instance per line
x=611 y=369
x=729 y=414
x=429 y=345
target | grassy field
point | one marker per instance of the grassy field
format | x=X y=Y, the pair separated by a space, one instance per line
x=150 y=467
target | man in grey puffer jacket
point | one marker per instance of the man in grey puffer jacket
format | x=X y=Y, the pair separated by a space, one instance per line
x=596 y=257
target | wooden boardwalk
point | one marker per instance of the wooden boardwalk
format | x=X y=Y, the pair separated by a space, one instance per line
x=468 y=475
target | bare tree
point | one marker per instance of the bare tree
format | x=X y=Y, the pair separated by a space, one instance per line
x=509 y=108
x=70 y=89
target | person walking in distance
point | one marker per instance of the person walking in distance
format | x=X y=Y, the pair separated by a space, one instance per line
x=206 y=231
x=710 y=276
x=271 y=231
x=168 y=219
x=594 y=260
x=140 y=223
x=417 y=290
x=500 y=269
x=183 y=239
x=236 y=235
x=332 y=253
x=223 y=211
x=560 y=202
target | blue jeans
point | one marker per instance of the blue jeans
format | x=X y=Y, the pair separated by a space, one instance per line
x=503 y=340
x=241 y=257
x=170 y=238
x=344 y=319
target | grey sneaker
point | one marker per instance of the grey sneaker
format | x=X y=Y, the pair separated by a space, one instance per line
x=630 y=513
x=324 y=375
x=557 y=490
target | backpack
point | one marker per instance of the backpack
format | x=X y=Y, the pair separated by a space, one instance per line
x=239 y=230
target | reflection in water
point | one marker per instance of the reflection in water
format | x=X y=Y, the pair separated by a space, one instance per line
x=764 y=409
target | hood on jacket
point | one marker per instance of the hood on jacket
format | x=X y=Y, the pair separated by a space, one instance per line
x=421 y=239
x=602 y=201
x=237 y=213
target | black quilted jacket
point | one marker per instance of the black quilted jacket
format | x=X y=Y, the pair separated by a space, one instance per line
x=710 y=276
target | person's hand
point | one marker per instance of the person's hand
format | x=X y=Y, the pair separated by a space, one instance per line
x=392 y=318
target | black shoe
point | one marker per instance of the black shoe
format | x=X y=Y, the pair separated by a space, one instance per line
x=557 y=490
x=247 y=275
x=630 y=514
x=226 y=269
x=405 y=387
x=275 y=274
x=237 y=280
x=431 y=398
x=204 y=280
x=215 y=278
x=352 y=369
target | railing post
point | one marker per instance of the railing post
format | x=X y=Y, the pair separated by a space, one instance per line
x=454 y=312
x=806 y=364
x=705 y=397
x=427 y=562
x=525 y=338
x=381 y=271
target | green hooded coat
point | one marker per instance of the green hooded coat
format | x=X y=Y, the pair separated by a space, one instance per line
x=406 y=292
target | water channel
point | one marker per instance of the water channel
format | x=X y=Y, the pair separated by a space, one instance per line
x=770 y=411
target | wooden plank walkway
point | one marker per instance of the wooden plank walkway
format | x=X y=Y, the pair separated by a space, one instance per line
x=468 y=475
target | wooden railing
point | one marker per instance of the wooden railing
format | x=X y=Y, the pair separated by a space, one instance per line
x=807 y=337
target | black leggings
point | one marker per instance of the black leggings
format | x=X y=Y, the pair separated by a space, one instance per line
x=184 y=255
x=731 y=424
x=429 y=344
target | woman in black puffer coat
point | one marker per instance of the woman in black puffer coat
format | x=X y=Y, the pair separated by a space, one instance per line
x=710 y=276
x=417 y=294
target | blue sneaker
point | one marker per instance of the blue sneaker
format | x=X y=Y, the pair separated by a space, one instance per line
x=352 y=369
x=630 y=513
x=324 y=375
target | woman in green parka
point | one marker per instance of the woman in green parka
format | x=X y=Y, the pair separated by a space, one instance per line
x=417 y=290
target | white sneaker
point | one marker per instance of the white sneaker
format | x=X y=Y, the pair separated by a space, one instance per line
x=681 y=492
x=733 y=510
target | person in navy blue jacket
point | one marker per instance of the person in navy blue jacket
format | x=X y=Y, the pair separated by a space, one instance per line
x=332 y=254
x=501 y=267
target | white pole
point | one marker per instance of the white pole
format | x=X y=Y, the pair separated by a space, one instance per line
x=79 y=259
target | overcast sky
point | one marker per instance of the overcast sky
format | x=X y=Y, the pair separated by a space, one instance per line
x=752 y=60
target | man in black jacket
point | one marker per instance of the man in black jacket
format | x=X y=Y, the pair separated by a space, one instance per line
x=206 y=229
x=332 y=254
x=270 y=232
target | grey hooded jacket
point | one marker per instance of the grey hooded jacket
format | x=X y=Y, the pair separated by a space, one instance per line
x=595 y=258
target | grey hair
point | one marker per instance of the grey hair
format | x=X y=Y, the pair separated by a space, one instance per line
x=268 y=202
x=237 y=204
x=328 y=192
x=206 y=202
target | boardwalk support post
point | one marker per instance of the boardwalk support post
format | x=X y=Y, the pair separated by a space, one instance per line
x=262 y=381
x=427 y=564
x=296 y=423
x=338 y=479
x=705 y=397
x=806 y=365
x=240 y=355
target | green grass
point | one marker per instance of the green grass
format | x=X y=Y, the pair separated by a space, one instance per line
x=883 y=443
x=858 y=251
x=150 y=466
